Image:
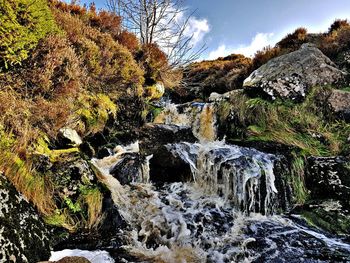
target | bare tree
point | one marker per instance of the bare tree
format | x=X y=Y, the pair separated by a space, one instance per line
x=163 y=22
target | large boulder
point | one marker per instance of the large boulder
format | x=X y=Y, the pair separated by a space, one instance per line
x=339 y=104
x=292 y=75
x=23 y=235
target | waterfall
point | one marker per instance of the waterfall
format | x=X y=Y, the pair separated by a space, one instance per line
x=242 y=175
x=200 y=221
x=200 y=117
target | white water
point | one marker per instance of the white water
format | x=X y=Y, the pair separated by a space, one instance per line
x=97 y=256
x=201 y=221
x=235 y=172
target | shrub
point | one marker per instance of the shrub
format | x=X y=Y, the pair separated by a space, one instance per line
x=107 y=22
x=263 y=56
x=336 y=41
x=338 y=24
x=129 y=40
x=22 y=24
x=219 y=75
x=55 y=70
x=110 y=66
x=154 y=62
x=294 y=40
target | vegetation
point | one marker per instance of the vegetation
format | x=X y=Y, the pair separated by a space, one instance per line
x=302 y=126
x=219 y=75
x=63 y=65
x=22 y=24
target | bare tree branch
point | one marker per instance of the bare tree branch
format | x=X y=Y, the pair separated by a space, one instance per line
x=161 y=22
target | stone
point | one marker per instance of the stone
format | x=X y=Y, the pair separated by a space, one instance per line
x=69 y=136
x=73 y=260
x=129 y=168
x=291 y=76
x=153 y=136
x=166 y=167
x=329 y=178
x=23 y=235
x=339 y=104
x=69 y=173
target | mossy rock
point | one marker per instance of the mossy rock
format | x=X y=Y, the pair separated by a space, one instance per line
x=328 y=215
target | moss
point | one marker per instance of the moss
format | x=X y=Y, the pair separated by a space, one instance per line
x=94 y=111
x=154 y=92
x=23 y=24
x=330 y=221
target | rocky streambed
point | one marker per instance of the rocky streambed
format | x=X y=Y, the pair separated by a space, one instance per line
x=229 y=179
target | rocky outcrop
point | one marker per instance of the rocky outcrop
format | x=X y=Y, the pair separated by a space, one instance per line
x=292 y=75
x=329 y=178
x=23 y=235
x=339 y=104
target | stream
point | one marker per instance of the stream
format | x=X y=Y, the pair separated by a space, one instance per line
x=228 y=212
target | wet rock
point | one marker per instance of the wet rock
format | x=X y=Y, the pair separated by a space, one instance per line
x=275 y=243
x=292 y=75
x=153 y=136
x=23 y=235
x=166 y=167
x=69 y=173
x=327 y=214
x=129 y=168
x=329 y=178
x=104 y=151
x=107 y=236
x=87 y=149
x=339 y=103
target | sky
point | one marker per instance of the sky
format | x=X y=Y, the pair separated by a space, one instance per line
x=246 y=26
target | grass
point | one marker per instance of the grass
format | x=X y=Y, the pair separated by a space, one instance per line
x=300 y=193
x=299 y=125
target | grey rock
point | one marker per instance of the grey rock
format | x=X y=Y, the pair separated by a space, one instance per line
x=292 y=75
x=339 y=103
x=329 y=178
x=23 y=235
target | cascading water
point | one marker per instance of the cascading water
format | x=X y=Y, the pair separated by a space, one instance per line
x=217 y=218
x=243 y=175
x=201 y=221
x=200 y=117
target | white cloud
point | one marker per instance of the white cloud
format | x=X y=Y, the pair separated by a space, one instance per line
x=197 y=28
x=259 y=41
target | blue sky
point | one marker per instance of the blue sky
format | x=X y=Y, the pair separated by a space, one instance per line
x=245 y=26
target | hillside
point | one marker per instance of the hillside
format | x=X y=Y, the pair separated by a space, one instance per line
x=94 y=156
